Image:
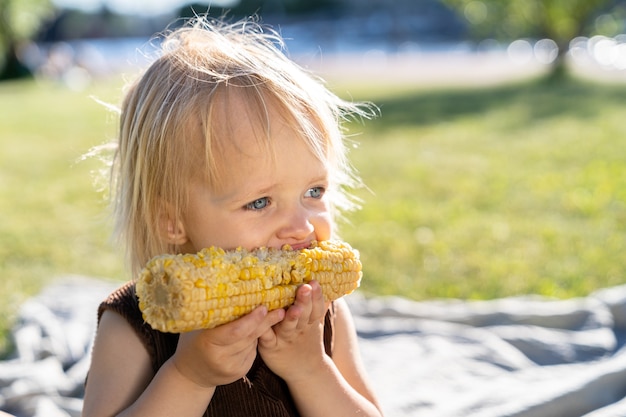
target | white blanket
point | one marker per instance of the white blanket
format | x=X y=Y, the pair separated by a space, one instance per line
x=523 y=356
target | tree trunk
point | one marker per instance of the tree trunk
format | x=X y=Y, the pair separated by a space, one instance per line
x=13 y=67
x=558 y=71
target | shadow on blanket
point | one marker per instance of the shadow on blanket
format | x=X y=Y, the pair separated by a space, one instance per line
x=522 y=356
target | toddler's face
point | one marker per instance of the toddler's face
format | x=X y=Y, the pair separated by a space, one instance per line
x=269 y=197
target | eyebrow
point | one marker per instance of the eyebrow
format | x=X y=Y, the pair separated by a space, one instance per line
x=240 y=198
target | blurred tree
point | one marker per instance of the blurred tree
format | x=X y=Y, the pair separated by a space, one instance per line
x=19 y=22
x=558 y=20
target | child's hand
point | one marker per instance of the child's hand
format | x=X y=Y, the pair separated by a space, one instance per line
x=294 y=347
x=223 y=354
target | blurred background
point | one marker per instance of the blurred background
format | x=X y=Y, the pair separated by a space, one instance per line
x=497 y=167
x=77 y=40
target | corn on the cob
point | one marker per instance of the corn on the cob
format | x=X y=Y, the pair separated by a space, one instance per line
x=179 y=293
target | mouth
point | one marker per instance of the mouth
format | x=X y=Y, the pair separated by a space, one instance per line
x=300 y=246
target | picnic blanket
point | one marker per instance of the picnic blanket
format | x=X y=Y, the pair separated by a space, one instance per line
x=521 y=356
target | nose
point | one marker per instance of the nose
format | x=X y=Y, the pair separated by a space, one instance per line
x=297 y=224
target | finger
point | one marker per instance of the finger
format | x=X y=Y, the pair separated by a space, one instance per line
x=304 y=301
x=290 y=322
x=244 y=329
x=268 y=338
x=264 y=331
x=272 y=318
x=318 y=306
x=265 y=320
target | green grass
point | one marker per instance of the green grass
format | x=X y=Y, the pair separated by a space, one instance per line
x=494 y=192
x=479 y=193
x=53 y=222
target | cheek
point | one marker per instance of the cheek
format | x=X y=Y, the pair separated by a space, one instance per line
x=235 y=233
x=323 y=226
x=207 y=228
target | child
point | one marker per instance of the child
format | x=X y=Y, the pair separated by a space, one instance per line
x=225 y=142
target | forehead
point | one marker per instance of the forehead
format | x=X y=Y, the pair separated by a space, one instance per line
x=243 y=117
x=244 y=122
x=260 y=151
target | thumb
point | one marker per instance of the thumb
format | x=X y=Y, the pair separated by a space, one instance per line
x=267 y=337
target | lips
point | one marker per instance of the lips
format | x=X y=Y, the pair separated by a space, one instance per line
x=300 y=246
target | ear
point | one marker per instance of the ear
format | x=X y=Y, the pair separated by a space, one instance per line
x=176 y=233
x=173 y=231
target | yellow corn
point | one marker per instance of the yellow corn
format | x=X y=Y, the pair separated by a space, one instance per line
x=179 y=293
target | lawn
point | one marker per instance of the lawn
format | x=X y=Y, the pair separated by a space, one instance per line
x=472 y=193
x=494 y=192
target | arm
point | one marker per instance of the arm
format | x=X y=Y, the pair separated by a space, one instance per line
x=347 y=356
x=339 y=380
x=121 y=373
x=121 y=381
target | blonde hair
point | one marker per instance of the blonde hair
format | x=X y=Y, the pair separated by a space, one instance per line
x=167 y=117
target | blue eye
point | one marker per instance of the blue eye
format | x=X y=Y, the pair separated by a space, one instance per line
x=258 y=204
x=315 y=192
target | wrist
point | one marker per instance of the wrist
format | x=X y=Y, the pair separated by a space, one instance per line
x=187 y=379
x=314 y=371
x=172 y=393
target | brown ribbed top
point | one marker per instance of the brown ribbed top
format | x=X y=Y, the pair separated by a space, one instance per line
x=262 y=393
